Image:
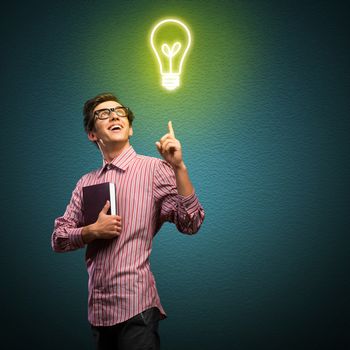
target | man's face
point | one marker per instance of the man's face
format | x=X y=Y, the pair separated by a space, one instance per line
x=115 y=128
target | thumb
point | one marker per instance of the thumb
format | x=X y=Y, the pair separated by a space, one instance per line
x=105 y=208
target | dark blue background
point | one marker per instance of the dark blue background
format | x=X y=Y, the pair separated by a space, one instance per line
x=268 y=152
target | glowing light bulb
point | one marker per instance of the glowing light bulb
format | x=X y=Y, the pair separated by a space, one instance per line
x=170 y=41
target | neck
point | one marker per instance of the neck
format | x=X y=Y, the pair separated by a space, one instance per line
x=109 y=152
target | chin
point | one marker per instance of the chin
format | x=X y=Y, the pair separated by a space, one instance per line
x=120 y=140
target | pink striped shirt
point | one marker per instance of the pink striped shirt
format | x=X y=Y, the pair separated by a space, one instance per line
x=121 y=283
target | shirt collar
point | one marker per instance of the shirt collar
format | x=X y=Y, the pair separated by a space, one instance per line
x=122 y=161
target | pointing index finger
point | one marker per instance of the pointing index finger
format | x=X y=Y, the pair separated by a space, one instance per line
x=170 y=128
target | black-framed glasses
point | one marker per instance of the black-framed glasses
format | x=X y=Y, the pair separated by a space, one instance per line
x=105 y=113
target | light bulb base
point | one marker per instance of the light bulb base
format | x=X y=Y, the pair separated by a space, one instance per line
x=171 y=81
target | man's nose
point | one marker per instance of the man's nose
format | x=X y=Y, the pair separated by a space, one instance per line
x=113 y=116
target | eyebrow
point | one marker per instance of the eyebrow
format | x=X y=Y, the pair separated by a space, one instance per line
x=101 y=109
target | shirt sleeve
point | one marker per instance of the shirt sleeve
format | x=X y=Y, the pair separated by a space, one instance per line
x=67 y=228
x=185 y=212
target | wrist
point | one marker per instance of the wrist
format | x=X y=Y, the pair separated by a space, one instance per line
x=89 y=233
x=179 y=167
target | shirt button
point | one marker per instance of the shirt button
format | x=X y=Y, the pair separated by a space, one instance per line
x=108 y=167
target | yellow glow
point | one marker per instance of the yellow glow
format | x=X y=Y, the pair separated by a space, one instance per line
x=170 y=55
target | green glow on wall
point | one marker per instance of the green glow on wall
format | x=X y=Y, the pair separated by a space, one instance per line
x=119 y=58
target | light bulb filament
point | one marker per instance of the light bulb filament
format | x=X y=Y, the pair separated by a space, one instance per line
x=170 y=53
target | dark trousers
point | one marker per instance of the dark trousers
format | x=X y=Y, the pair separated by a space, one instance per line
x=138 y=333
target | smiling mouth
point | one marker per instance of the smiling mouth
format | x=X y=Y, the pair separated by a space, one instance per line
x=115 y=128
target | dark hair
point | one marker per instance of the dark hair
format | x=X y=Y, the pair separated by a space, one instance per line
x=90 y=105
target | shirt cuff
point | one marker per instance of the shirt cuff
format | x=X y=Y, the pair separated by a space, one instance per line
x=190 y=203
x=76 y=237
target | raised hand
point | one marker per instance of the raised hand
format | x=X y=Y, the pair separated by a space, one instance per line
x=170 y=148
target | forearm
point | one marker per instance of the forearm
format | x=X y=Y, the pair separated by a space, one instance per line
x=176 y=196
x=183 y=182
x=71 y=239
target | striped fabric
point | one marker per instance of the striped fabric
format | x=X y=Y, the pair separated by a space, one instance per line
x=121 y=283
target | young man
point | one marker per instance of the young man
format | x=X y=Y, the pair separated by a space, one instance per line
x=124 y=308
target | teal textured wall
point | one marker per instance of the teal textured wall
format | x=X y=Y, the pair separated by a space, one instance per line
x=263 y=116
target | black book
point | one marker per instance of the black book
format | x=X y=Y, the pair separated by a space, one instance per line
x=95 y=198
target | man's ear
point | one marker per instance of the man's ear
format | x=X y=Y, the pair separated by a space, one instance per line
x=92 y=136
x=130 y=131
